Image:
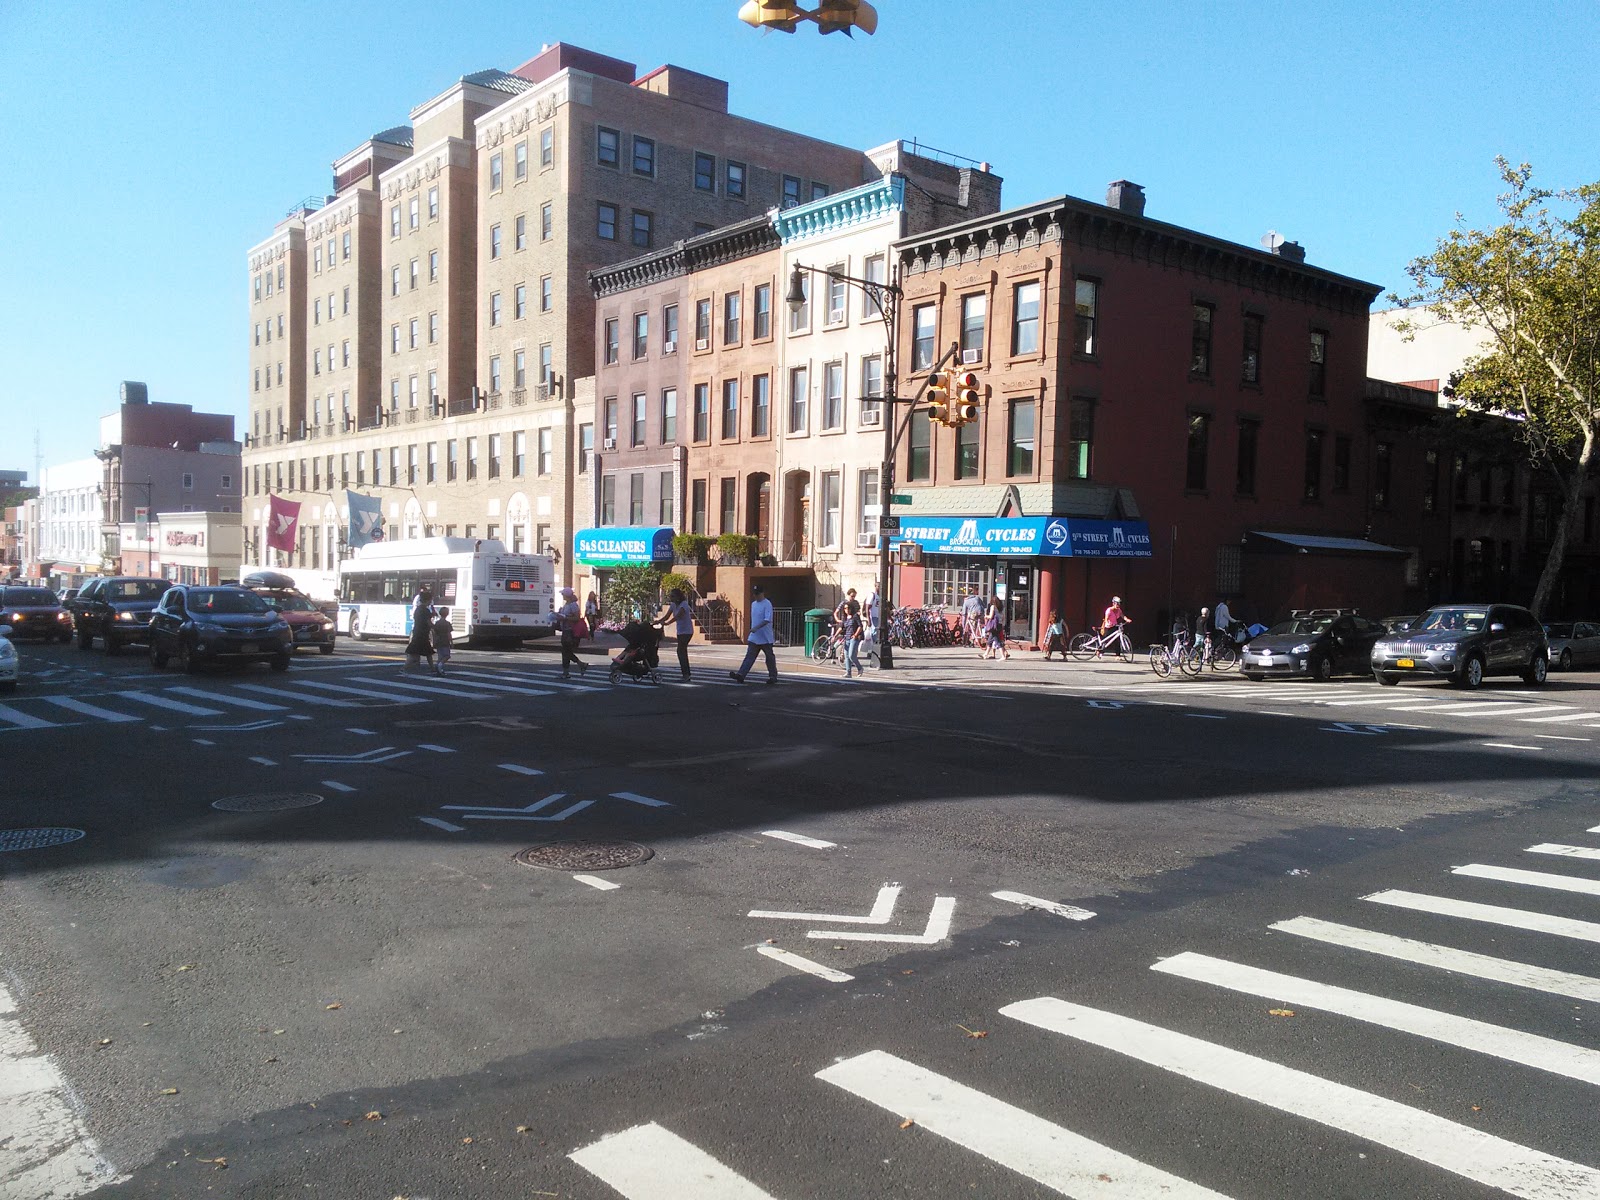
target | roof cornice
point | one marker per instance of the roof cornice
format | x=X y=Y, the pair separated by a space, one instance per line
x=842 y=210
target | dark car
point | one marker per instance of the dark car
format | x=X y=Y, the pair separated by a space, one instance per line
x=1574 y=644
x=1400 y=624
x=1314 y=643
x=196 y=624
x=34 y=612
x=116 y=610
x=1464 y=643
x=307 y=621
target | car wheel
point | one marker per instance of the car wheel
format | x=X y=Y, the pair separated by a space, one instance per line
x=113 y=646
x=1322 y=668
x=280 y=662
x=1470 y=673
x=1254 y=676
x=157 y=659
x=1537 y=671
x=1566 y=660
x=326 y=648
x=85 y=640
x=1386 y=680
x=186 y=658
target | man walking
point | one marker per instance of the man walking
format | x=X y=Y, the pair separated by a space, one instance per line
x=759 y=640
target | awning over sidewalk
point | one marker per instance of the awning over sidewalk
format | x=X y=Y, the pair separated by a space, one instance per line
x=1310 y=543
x=1027 y=537
x=624 y=546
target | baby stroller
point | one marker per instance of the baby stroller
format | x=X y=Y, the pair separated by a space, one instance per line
x=639 y=658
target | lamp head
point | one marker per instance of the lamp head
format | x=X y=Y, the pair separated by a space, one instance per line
x=796 y=299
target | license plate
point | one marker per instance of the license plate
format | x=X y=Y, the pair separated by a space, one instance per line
x=1404 y=662
x=247 y=648
x=1266 y=660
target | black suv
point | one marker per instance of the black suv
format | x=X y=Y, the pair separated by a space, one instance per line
x=116 y=610
x=34 y=612
x=195 y=624
x=1463 y=643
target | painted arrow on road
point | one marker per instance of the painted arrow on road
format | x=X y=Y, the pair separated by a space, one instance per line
x=938 y=928
x=484 y=812
x=882 y=910
x=381 y=755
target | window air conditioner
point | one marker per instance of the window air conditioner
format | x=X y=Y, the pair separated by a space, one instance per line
x=609 y=444
x=866 y=541
x=702 y=343
x=669 y=347
x=872 y=416
x=968 y=357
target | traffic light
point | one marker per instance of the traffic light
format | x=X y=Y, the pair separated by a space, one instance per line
x=939 y=397
x=772 y=14
x=840 y=16
x=965 y=397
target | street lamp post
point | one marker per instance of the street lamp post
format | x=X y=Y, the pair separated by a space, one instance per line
x=885 y=297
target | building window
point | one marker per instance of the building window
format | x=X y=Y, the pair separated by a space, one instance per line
x=799 y=397
x=608 y=147
x=411 y=392
x=800 y=318
x=316 y=362
x=394 y=232
x=1319 y=362
x=836 y=293
x=519 y=301
x=496 y=172
x=416 y=278
x=1086 y=305
x=543 y=445
x=1341 y=464
x=791 y=191
x=547 y=147
x=733 y=181
x=414 y=332
x=874 y=269
x=1382 y=467
x=666 y=511
x=1025 y=319
x=1199 y=450
x=394 y=281
x=974 y=313
x=702 y=324
x=867 y=497
x=547 y=293
x=636 y=427
x=644 y=225
x=494 y=373
x=832 y=506
x=1252 y=348
x=702 y=412
x=546 y=221
x=762 y=323
x=1080 y=438
x=414 y=213
x=644 y=156
x=669 y=329
x=585 y=447
x=547 y=373
x=394 y=339
x=316 y=312
x=433 y=207
x=871 y=389
x=608 y=500
x=730 y=409
x=450 y=464
x=669 y=416
x=494 y=308
x=1020 y=438
x=641 y=334
x=520 y=234
x=833 y=395
x=519 y=368
x=967 y=450
x=433 y=327
x=1430 y=481
x=472 y=458
x=730 y=318
x=1313 y=464
x=760 y=406
x=613 y=338
x=923 y=322
x=919 y=455
x=705 y=172
x=1244 y=482
x=606 y=222
x=1200 y=341
x=519 y=160
x=411 y=467
x=433 y=266
x=697 y=506
x=494 y=241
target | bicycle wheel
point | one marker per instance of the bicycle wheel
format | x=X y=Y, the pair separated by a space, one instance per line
x=1123 y=648
x=1224 y=658
x=1191 y=661
x=1083 y=646
x=1159 y=662
x=821 y=647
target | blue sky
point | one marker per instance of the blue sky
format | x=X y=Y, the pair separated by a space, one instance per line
x=148 y=146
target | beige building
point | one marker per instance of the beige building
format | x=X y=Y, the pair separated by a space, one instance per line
x=426 y=334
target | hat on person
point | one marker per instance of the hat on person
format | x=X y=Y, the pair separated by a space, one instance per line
x=1116 y=599
x=569 y=593
x=756 y=588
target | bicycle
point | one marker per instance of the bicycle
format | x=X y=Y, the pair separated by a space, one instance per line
x=1095 y=645
x=1164 y=658
x=1204 y=653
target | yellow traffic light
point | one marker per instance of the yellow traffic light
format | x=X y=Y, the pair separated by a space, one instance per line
x=772 y=14
x=965 y=397
x=938 y=397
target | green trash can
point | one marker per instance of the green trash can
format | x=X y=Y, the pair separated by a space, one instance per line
x=816 y=625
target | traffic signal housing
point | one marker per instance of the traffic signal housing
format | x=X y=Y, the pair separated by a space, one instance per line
x=938 y=397
x=966 y=397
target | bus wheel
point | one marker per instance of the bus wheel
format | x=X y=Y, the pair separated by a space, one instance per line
x=355 y=627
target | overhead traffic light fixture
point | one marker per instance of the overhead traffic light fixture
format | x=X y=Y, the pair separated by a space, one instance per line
x=966 y=397
x=772 y=14
x=831 y=16
x=938 y=397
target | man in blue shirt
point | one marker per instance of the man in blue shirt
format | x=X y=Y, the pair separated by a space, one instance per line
x=759 y=640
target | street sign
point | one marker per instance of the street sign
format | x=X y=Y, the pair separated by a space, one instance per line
x=889 y=524
x=900 y=498
x=872 y=510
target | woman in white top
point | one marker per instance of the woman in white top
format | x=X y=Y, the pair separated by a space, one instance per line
x=682 y=615
x=567 y=622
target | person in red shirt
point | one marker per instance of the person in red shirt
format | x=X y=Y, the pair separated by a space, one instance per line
x=1113 y=616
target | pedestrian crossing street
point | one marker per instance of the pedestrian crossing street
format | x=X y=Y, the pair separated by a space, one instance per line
x=1452 y=1134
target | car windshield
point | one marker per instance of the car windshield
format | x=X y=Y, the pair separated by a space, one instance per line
x=1453 y=620
x=290 y=604
x=1561 y=631
x=135 y=589
x=223 y=601
x=1301 y=625
x=19 y=597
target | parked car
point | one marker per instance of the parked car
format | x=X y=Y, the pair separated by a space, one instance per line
x=1465 y=643
x=10 y=662
x=310 y=625
x=34 y=612
x=116 y=610
x=197 y=624
x=1316 y=643
x=1574 y=644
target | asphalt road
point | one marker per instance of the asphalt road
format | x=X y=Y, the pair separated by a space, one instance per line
x=982 y=929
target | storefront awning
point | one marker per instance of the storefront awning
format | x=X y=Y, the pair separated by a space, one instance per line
x=1028 y=537
x=1311 y=543
x=624 y=546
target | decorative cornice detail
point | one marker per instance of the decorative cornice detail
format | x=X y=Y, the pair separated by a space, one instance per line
x=729 y=244
x=843 y=210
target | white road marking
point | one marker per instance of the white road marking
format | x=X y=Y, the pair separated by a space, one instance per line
x=453 y=693
x=1464 y=1151
x=1593 y=829
x=265 y=762
x=799 y=839
x=1207 y=716
x=532 y=812
x=175 y=705
x=635 y=798
x=323 y=701
x=202 y=742
x=1510 y=746
x=223 y=698
x=465 y=680
x=23 y=721
x=1556 y=737
x=1446 y=958
x=1513 y=1045
x=1061 y=910
x=435 y=749
x=1564 y=850
x=882 y=911
x=337 y=786
x=804 y=964
x=520 y=770
x=1544 y=879
x=937 y=929
x=88 y=710
x=1578 y=716
x=1494 y=914
x=362 y=732
x=648 y=1162
x=444 y=825
x=594 y=881
x=1467 y=708
x=1035 y=1148
x=367 y=692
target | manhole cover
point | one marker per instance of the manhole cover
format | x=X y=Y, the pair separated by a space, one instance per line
x=267 y=801
x=584 y=856
x=38 y=839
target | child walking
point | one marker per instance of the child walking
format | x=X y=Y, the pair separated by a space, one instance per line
x=1055 y=638
x=443 y=638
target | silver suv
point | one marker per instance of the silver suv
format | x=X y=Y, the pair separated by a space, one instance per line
x=1464 y=643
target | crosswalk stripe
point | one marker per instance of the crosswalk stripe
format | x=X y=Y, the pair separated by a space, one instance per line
x=1031 y=1146
x=367 y=692
x=1544 y=879
x=1513 y=1045
x=1446 y=958
x=224 y=698
x=455 y=693
x=324 y=701
x=1461 y=1150
x=1577 y=716
x=453 y=685
x=648 y=1162
x=1564 y=850
x=540 y=680
x=1494 y=914
x=193 y=710
x=88 y=710
x=1466 y=708
x=23 y=720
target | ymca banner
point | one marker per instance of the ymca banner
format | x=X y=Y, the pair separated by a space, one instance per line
x=283 y=520
x=366 y=518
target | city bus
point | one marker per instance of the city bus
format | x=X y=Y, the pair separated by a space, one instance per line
x=493 y=596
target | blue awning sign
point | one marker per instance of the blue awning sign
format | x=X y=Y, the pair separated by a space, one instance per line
x=624 y=546
x=1028 y=537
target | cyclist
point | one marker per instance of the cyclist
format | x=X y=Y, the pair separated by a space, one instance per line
x=1222 y=622
x=1113 y=620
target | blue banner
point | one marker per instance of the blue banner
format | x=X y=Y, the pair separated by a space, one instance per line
x=366 y=518
x=1028 y=537
x=624 y=546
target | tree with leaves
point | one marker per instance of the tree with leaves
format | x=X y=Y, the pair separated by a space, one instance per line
x=1532 y=285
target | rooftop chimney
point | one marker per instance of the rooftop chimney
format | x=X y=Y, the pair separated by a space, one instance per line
x=1274 y=243
x=1125 y=197
x=135 y=393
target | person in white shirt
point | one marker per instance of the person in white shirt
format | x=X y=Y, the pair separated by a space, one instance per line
x=759 y=640
x=1221 y=619
x=682 y=615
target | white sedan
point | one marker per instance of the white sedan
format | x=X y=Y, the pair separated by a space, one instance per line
x=10 y=664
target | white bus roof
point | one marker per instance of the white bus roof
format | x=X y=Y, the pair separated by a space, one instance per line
x=431 y=547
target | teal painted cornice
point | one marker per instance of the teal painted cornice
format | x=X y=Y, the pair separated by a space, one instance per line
x=841 y=211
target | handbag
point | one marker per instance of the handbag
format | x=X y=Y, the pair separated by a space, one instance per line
x=580 y=628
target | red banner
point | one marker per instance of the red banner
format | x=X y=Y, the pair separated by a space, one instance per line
x=283 y=519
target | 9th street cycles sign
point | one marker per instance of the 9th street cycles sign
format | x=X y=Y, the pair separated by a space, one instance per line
x=1028 y=537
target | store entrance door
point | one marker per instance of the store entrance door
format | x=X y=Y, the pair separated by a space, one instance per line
x=1019 y=601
